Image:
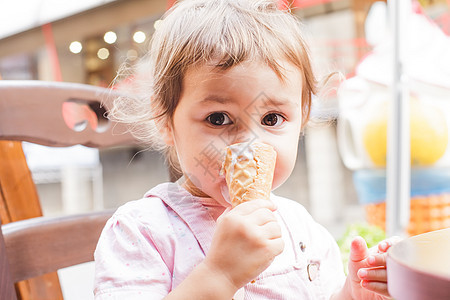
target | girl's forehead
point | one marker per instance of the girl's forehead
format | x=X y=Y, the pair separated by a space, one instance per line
x=245 y=68
x=247 y=80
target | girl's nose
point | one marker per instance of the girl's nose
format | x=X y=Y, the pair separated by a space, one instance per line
x=245 y=132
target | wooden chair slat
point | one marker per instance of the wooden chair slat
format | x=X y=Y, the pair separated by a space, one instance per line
x=41 y=245
x=18 y=201
x=7 y=291
x=51 y=114
x=32 y=111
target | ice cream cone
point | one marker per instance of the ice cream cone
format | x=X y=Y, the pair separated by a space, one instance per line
x=248 y=170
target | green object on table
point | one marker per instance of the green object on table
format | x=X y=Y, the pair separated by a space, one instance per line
x=372 y=234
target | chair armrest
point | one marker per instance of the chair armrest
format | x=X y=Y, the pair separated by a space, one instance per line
x=45 y=244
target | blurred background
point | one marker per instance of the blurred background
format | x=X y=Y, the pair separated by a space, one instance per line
x=338 y=177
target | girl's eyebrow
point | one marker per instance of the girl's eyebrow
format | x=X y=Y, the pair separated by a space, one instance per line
x=270 y=102
x=276 y=102
x=260 y=102
x=215 y=99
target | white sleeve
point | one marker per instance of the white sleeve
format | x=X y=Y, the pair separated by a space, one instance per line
x=332 y=269
x=127 y=262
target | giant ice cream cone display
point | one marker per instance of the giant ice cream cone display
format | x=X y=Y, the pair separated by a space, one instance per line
x=248 y=170
x=364 y=106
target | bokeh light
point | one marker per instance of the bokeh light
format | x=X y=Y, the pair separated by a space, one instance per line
x=103 y=53
x=139 y=37
x=110 y=37
x=75 y=47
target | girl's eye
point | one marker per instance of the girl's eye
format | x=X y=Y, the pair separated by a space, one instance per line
x=218 y=119
x=272 y=120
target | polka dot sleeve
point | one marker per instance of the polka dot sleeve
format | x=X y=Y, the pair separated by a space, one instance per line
x=127 y=262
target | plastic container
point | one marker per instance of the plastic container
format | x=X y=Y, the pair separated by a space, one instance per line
x=430 y=198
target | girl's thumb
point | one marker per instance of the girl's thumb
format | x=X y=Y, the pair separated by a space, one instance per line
x=358 y=249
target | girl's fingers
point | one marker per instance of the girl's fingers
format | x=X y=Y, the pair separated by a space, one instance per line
x=276 y=246
x=378 y=260
x=251 y=206
x=261 y=216
x=375 y=286
x=386 y=244
x=358 y=249
x=379 y=274
x=271 y=230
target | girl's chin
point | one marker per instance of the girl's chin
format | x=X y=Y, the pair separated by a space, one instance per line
x=219 y=194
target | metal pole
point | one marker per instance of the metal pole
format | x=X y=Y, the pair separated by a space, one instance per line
x=398 y=152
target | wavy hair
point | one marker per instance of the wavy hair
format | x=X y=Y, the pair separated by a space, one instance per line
x=223 y=32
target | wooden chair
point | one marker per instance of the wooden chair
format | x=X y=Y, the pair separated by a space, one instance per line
x=52 y=114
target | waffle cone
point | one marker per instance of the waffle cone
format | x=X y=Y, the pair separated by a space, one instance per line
x=249 y=171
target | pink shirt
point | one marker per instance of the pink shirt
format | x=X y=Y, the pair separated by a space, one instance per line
x=151 y=245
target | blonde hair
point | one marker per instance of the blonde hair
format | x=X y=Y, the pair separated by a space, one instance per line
x=224 y=32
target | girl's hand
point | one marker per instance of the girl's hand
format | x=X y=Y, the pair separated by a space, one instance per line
x=367 y=277
x=246 y=240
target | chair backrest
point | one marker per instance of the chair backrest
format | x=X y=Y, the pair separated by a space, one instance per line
x=58 y=114
x=42 y=245
x=52 y=114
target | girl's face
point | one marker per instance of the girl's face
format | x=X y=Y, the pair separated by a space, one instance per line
x=245 y=103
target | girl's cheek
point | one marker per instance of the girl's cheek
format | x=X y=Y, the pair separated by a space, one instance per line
x=283 y=169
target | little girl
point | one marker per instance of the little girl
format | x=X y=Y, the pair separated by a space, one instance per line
x=224 y=72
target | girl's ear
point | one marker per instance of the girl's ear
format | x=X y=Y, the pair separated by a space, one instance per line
x=166 y=132
x=163 y=125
